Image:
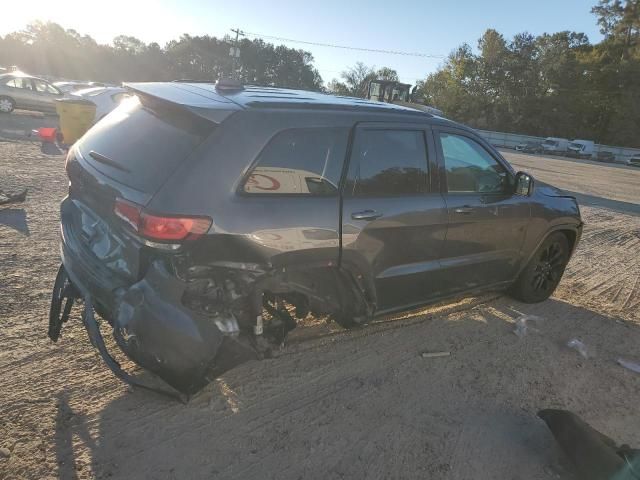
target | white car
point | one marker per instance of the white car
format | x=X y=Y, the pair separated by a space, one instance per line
x=72 y=86
x=104 y=98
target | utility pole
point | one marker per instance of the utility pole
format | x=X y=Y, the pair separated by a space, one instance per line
x=234 y=52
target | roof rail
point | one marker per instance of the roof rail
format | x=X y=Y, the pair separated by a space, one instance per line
x=189 y=80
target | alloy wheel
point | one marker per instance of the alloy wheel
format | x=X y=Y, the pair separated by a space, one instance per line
x=548 y=270
x=5 y=105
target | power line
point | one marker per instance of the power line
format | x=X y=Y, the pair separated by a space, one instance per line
x=345 y=47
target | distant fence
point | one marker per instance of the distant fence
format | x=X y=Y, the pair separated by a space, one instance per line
x=510 y=140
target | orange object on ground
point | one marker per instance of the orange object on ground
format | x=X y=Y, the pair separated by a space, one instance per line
x=47 y=134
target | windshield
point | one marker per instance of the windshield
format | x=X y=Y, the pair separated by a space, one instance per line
x=550 y=143
x=576 y=146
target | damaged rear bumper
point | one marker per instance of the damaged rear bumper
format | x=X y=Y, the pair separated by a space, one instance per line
x=151 y=326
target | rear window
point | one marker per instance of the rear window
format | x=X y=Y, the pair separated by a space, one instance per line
x=141 y=145
x=300 y=161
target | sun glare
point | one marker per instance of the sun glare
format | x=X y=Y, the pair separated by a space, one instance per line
x=145 y=19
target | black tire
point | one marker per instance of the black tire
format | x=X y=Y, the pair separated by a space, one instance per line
x=541 y=276
x=9 y=102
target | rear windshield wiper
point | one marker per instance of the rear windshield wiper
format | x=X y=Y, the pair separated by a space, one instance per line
x=98 y=157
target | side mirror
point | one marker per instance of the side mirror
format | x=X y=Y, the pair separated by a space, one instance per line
x=524 y=184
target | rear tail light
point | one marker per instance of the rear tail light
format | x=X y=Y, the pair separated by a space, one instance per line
x=160 y=227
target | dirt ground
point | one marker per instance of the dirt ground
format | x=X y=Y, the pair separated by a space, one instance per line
x=361 y=404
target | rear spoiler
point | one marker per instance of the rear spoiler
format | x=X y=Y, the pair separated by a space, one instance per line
x=202 y=102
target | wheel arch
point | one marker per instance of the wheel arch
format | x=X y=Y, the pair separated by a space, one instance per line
x=571 y=231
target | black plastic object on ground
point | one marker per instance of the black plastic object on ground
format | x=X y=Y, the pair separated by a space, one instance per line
x=595 y=456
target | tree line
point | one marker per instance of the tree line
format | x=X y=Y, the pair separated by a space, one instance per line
x=556 y=84
x=549 y=85
x=48 y=49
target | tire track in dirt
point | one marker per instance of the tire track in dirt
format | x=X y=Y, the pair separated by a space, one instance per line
x=605 y=270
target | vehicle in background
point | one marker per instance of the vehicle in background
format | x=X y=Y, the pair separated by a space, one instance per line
x=68 y=86
x=529 y=147
x=19 y=90
x=634 y=161
x=104 y=98
x=555 y=146
x=188 y=215
x=390 y=91
x=581 y=149
x=605 y=156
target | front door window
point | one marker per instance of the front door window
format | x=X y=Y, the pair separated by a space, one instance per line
x=469 y=167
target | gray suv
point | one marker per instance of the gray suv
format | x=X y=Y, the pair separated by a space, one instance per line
x=18 y=90
x=203 y=220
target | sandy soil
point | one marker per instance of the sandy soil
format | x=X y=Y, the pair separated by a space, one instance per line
x=360 y=404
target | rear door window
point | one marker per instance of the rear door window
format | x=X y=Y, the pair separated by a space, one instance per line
x=388 y=162
x=14 y=83
x=19 y=82
x=300 y=161
x=141 y=145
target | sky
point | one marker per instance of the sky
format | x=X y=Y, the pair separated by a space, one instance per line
x=428 y=27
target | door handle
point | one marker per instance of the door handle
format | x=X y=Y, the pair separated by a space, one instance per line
x=366 y=215
x=465 y=210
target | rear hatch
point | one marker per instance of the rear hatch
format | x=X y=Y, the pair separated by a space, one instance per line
x=127 y=156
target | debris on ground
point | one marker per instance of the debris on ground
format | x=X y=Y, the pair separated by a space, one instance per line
x=435 y=354
x=629 y=365
x=8 y=197
x=523 y=325
x=578 y=346
x=4 y=452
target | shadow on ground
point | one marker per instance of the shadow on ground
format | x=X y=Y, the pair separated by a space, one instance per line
x=49 y=148
x=616 y=205
x=367 y=405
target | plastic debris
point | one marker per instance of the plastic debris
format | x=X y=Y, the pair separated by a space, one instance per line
x=435 y=354
x=579 y=346
x=47 y=134
x=7 y=197
x=523 y=324
x=629 y=365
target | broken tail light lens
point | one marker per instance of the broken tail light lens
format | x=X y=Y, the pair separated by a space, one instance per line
x=129 y=212
x=161 y=227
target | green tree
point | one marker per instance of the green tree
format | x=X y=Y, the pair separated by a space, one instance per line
x=550 y=85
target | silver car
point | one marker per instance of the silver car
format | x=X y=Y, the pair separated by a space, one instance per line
x=18 y=90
